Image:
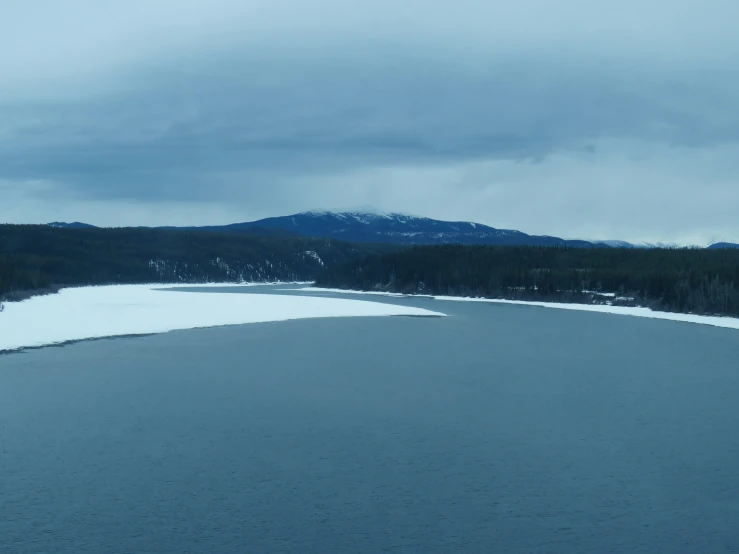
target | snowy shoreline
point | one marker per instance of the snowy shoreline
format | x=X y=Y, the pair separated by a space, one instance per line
x=84 y=313
x=716 y=321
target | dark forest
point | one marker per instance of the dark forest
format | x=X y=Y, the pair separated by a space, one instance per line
x=697 y=281
x=39 y=258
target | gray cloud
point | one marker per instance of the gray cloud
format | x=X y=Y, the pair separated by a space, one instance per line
x=274 y=106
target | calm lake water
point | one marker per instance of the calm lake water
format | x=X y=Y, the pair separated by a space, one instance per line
x=502 y=428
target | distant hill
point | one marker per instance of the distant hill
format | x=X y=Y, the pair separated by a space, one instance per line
x=720 y=245
x=73 y=225
x=662 y=245
x=396 y=229
x=616 y=243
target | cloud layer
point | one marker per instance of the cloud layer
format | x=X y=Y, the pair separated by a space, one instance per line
x=550 y=117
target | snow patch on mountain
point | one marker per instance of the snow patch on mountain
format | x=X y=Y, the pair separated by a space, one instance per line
x=400 y=228
x=73 y=225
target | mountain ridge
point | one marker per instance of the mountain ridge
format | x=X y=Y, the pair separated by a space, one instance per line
x=72 y=225
x=719 y=245
x=397 y=228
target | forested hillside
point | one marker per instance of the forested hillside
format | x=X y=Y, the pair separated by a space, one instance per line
x=680 y=280
x=37 y=257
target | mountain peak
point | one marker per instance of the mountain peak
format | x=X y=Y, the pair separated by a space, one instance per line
x=720 y=245
x=399 y=228
x=358 y=216
x=356 y=213
x=73 y=225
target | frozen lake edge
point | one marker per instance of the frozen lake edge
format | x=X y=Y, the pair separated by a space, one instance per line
x=87 y=313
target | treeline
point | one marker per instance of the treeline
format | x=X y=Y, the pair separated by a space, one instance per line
x=677 y=280
x=39 y=258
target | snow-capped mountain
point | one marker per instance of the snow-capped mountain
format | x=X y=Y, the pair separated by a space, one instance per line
x=615 y=243
x=648 y=245
x=395 y=228
x=73 y=225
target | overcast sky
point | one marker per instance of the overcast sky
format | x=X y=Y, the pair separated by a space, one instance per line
x=574 y=118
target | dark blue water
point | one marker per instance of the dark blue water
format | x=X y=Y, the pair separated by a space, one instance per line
x=499 y=429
